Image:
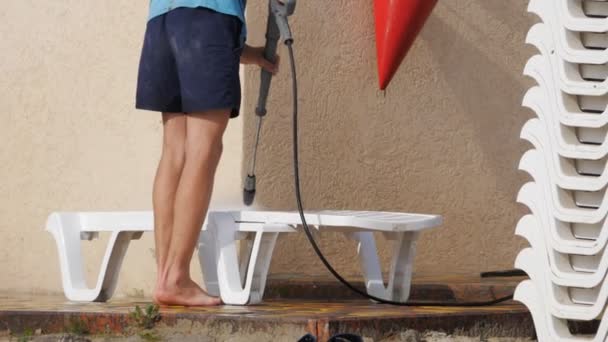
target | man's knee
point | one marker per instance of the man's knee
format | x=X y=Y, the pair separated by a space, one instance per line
x=205 y=150
x=174 y=152
x=204 y=136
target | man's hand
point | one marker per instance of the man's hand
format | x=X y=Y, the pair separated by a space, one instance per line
x=255 y=56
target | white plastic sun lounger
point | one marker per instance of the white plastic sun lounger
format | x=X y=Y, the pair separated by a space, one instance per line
x=572 y=110
x=568 y=205
x=571 y=14
x=563 y=236
x=562 y=302
x=236 y=284
x=69 y=228
x=545 y=102
x=574 y=16
x=573 y=77
x=564 y=170
x=573 y=46
x=566 y=140
x=237 y=279
x=549 y=327
x=569 y=270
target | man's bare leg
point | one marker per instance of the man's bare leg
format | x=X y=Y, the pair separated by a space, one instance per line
x=165 y=183
x=203 y=148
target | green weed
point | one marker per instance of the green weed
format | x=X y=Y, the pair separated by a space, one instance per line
x=145 y=318
x=77 y=327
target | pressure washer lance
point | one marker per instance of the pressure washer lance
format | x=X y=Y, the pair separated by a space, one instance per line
x=277 y=27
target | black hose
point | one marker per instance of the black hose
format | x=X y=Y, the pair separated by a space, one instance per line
x=314 y=245
x=504 y=274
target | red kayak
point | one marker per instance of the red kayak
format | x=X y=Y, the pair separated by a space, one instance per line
x=398 y=23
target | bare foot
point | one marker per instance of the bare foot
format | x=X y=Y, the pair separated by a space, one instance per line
x=186 y=294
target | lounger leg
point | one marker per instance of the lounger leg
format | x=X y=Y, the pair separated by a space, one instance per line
x=370 y=263
x=261 y=264
x=207 y=257
x=66 y=231
x=232 y=289
x=228 y=274
x=115 y=254
x=400 y=276
x=245 y=247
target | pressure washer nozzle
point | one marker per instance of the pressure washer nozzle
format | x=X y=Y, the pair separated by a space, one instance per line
x=249 y=190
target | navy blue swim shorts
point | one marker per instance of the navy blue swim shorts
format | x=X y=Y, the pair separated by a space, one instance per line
x=190 y=62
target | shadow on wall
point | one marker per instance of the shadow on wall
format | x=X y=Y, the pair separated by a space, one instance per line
x=480 y=58
x=443 y=139
x=486 y=91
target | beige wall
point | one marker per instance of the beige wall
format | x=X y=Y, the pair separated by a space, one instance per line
x=443 y=138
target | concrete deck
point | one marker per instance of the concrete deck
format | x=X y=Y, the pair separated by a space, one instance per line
x=293 y=307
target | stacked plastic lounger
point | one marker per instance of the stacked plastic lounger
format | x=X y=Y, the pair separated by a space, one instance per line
x=566 y=228
x=239 y=278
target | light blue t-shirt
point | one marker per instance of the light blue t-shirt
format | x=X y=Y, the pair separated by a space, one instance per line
x=230 y=7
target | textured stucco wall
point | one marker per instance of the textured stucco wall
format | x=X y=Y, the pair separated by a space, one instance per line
x=72 y=138
x=443 y=138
